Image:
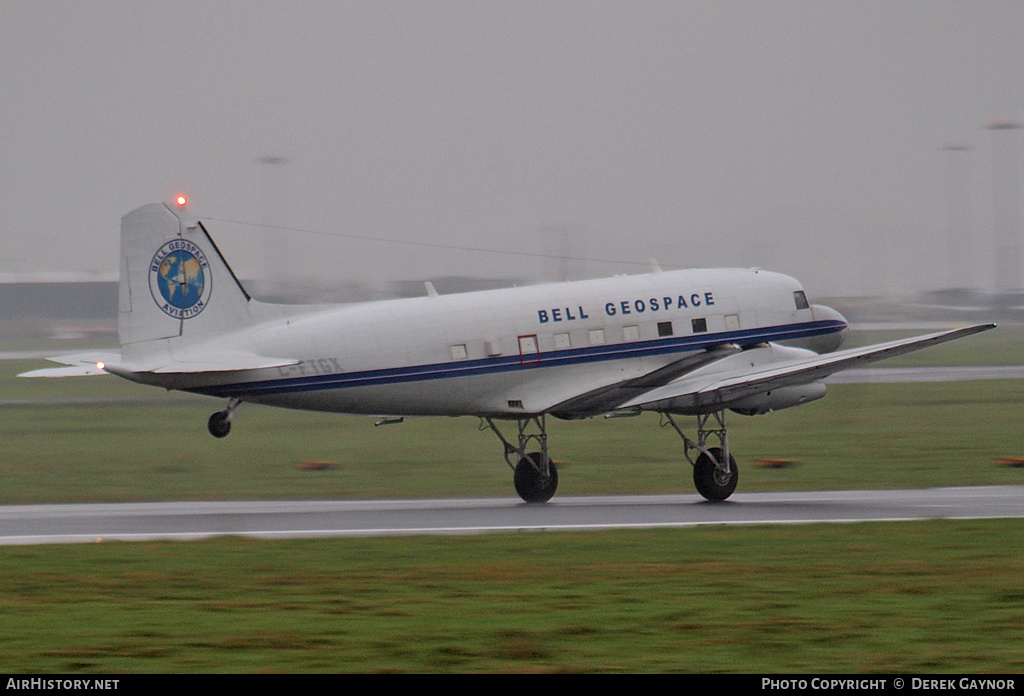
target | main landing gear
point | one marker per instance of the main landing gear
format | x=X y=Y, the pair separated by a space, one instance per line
x=535 y=475
x=714 y=471
x=219 y=424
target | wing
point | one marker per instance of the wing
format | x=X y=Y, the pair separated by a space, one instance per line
x=606 y=397
x=761 y=370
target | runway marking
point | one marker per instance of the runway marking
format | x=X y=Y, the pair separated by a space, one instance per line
x=445 y=531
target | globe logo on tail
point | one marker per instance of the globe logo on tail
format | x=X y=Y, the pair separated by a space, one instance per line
x=180 y=279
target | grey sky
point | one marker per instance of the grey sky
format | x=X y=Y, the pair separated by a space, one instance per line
x=800 y=136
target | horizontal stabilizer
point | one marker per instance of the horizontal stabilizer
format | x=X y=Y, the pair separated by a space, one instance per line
x=224 y=361
x=87 y=364
x=78 y=365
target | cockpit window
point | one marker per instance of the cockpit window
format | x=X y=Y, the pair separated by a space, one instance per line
x=801 y=299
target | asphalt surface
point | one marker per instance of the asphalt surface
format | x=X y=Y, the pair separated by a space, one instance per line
x=42 y=524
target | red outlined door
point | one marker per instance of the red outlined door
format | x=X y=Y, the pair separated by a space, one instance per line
x=529 y=349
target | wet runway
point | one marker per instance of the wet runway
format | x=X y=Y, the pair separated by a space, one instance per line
x=894 y=375
x=43 y=524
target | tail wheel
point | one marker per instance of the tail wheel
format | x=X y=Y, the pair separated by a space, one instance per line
x=532 y=483
x=713 y=483
x=219 y=425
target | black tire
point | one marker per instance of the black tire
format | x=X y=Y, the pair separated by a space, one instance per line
x=219 y=425
x=531 y=483
x=709 y=480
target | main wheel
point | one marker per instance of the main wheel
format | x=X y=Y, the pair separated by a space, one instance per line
x=711 y=482
x=532 y=484
x=219 y=425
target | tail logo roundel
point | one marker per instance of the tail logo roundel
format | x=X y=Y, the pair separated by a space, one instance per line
x=180 y=279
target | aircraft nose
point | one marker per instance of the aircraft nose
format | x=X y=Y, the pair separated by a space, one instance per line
x=831 y=341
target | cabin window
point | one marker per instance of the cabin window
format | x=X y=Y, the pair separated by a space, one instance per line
x=700 y=325
x=459 y=351
x=597 y=337
x=664 y=328
x=630 y=333
x=492 y=346
x=732 y=322
x=562 y=341
x=800 y=299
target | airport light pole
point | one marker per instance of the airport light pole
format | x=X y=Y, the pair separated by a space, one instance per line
x=1006 y=205
x=959 y=237
x=273 y=191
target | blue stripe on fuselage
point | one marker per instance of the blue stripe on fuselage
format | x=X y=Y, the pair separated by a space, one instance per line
x=481 y=366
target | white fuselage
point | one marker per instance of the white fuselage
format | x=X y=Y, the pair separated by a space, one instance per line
x=501 y=352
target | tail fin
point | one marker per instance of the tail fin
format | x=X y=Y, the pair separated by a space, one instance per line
x=174 y=281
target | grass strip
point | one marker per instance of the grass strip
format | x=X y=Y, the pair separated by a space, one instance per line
x=928 y=597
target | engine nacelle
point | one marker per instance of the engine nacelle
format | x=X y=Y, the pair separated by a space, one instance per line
x=826 y=343
x=778 y=399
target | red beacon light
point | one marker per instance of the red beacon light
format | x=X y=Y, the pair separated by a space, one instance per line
x=181 y=201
